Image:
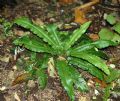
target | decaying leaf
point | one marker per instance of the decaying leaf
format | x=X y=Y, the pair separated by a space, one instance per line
x=51 y=68
x=21 y=78
x=66 y=1
x=102 y=83
x=16 y=96
x=80 y=16
x=94 y=37
x=80 y=12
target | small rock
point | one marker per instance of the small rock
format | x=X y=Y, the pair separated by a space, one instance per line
x=83 y=98
x=31 y=84
x=52 y=20
x=38 y=21
x=94 y=97
x=14 y=67
x=91 y=83
x=112 y=65
x=96 y=92
x=19 y=32
x=11 y=75
x=2 y=88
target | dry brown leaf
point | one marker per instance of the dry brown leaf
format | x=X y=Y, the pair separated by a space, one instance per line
x=21 y=78
x=38 y=21
x=83 y=98
x=19 y=32
x=51 y=68
x=66 y=1
x=102 y=83
x=115 y=1
x=80 y=12
x=94 y=37
x=80 y=16
x=16 y=96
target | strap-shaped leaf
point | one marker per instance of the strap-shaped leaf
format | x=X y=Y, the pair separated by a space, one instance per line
x=76 y=35
x=87 y=67
x=32 y=44
x=65 y=76
x=26 y=23
x=93 y=59
x=98 y=53
x=79 y=81
x=52 y=29
x=98 y=44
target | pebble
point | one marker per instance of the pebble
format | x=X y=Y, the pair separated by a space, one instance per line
x=31 y=84
x=2 y=88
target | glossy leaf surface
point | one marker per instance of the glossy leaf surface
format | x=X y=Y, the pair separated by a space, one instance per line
x=65 y=76
x=39 y=31
x=76 y=35
x=87 y=67
x=96 y=61
x=32 y=44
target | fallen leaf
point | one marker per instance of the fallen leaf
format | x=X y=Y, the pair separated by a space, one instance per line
x=80 y=16
x=16 y=97
x=94 y=37
x=38 y=21
x=83 y=98
x=21 y=78
x=51 y=68
x=66 y=1
x=102 y=83
x=80 y=12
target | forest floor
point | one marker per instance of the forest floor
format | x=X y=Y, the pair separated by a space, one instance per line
x=45 y=13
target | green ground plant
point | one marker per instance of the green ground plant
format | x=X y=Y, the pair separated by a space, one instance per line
x=112 y=33
x=6 y=27
x=63 y=53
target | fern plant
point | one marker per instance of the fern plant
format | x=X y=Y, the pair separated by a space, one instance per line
x=63 y=53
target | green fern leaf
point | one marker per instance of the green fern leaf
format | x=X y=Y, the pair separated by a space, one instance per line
x=87 y=67
x=79 y=81
x=116 y=27
x=52 y=29
x=32 y=44
x=26 y=23
x=98 y=53
x=93 y=59
x=98 y=44
x=65 y=76
x=76 y=35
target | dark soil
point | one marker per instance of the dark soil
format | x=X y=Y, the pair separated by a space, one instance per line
x=40 y=13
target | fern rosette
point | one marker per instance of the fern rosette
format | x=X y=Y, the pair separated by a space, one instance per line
x=75 y=55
